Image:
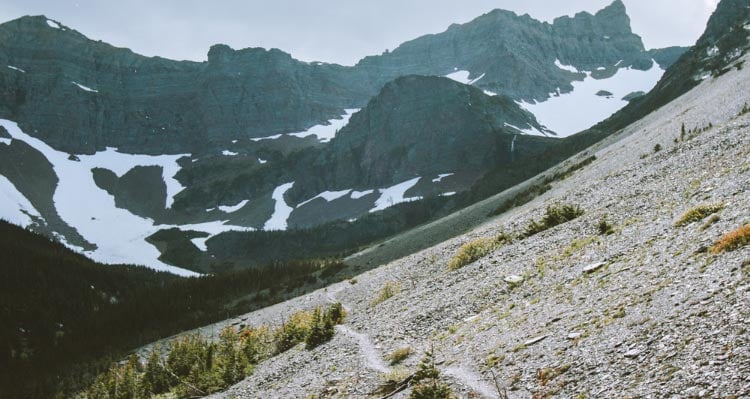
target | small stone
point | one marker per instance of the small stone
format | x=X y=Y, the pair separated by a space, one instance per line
x=593 y=267
x=535 y=340
x=574 y=335
x=632 y=353
x=513 y=279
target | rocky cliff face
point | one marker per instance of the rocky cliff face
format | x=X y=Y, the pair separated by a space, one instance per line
x=81 y=95
x=424 y=126
x=515 y=55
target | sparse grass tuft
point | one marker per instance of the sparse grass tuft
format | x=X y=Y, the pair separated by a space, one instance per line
x=399 y=355
x=556 y=215
x=476 y=249
x=657 y=148
x=733 y=240
x=389 y=290
x=605 y=228
x=698 y=213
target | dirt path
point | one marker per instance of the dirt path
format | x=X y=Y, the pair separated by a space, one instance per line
x=472 y=380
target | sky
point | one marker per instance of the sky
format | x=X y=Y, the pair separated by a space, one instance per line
x=340 y=31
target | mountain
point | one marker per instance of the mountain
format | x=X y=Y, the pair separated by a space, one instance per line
x=716 y=52
x=255 y=140
x=624 y=276
x=516 y=55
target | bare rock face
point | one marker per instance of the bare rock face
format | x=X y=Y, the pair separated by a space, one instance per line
x=81 y=95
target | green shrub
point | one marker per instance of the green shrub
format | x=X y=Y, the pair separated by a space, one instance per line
x=604 y=227
x=555 y=215
x=657 y=148
x=698 y=213
x=195 y=366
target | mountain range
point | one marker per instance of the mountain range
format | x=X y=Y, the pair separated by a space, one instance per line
x=254 y=141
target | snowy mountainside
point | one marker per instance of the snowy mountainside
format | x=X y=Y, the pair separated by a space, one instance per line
x=352 y=144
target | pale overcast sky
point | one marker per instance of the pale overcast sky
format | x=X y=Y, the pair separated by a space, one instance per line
x=341 y=31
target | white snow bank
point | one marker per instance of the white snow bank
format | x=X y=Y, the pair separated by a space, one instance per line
x=395 y=195
x=53 y=24
x=328 y=196
x=233 y=208
x=262 y=161
x=360 y=194
x=229 y=153
x=463 y=77
x=324 y=133
x=85 y=88
x=282 y=210
x=121 y=163
x=118 y=234
x=580 y=109
x=5 y=141
x=15 y=207
x=16 y=69
x=569 y=68
x=441 y=177
x=530 y=131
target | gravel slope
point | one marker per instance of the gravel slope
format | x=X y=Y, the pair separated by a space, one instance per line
x=660 y=317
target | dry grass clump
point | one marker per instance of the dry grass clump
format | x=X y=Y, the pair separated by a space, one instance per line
x=733 y=240
x=555 y=215
x=477 y=249
x=399 y=355
x=389 y=290
x=698 y=213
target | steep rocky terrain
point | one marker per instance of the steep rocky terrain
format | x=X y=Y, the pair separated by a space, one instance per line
x=644 y=311
x=631 y=297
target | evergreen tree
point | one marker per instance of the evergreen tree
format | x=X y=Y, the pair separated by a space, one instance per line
x=426 y=380
x=155 y=379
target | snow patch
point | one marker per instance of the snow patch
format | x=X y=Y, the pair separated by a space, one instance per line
x=441 y=177
x=85 y=88
x=274 y=137
x=16 y=69
x=360 y=194
x=229 y=153
x=324 y=133
x=5 y=141
x=282 y=210
x=53 y=24
x=564 y=67
x=462 y=76
x=530 y=131
x=262 y=161
x=118 y=234
x=328 y=196
x=200 y=243
x=233 y=208
x=448 y=194
x=572 y=112
x=395 y=195
x=712 y=51
x=15 y=207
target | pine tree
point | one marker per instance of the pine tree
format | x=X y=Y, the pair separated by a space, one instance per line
x=317 y=333
x=155 y=379
x=426 y=380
